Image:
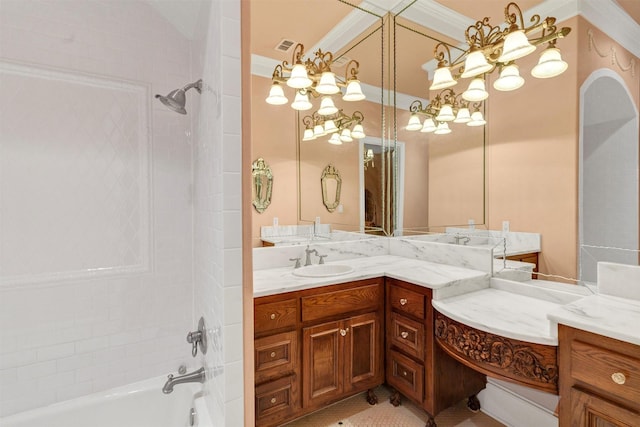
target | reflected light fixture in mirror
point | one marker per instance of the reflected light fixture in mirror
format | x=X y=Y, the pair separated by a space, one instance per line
x=342 y=127
x=315 y=78
x=492 y=48
x=447 y=106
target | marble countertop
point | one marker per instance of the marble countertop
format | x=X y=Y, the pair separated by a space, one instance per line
x=611 y=316
x=445 y=278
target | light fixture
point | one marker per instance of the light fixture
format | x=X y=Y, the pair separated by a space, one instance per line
x=492 y=48
x=368 y=158
x=550 y=63
x=313 y=77
x=340 y=125
x=445 y=107
x=476 y=119
x=509 y=79
x=327 y=107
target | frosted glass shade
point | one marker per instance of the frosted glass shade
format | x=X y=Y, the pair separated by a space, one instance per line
x=357 y=132
x=327 y=106
x=335 y=139
x=330 y=127
x=442 y=79
x=475 y=64
x=516 y=45
x=442 y=129
x=299 y=78
x=414 y=123
x=345 y=135
x=353 y=91
x=327 y=84
x=301 y=102
x=318 y=130
x=308 y=135
x=428 y=125
x=476 y=91
x=476 y=119
x=550 y=64
x=445 y=114
x=276 y=95
x=463 y=116
x=509 y=79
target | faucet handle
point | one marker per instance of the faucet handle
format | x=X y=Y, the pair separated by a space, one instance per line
x=322 y=257
x=198 y=338
x=297 y=260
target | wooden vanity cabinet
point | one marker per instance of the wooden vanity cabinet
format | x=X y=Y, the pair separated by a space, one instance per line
x=599 y=380
x=416 y=366
x=317 y=346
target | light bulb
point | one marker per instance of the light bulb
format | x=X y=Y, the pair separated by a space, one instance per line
x=345 y=135
x=550 y=64
x=445 y=114
x=463 y=116
x=442 y=79
x=428 y=125
x=276 y=95
x=301 y=101
x=476 y=91
x=318 y=130
x=335 y=139
x=414 y=123
x=516 y=45
x=299 y=78
x=327 y=107
x=330 y=127
x=353 y=91
x=475 y=64
x=357 y=132
x=509 y=79
x=308 y=135
x=327 y=84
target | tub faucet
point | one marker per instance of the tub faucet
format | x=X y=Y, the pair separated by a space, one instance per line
x=198 y=376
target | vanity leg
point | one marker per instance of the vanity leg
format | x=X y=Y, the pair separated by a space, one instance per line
x=431 y=422
x=473 y=403
x=371 y=397
x=394 y=399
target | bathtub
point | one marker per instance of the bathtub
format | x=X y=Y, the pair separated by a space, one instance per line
x=140 y=404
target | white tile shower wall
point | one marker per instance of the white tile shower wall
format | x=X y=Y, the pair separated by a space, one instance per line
x=60 y=339
x=217 y=206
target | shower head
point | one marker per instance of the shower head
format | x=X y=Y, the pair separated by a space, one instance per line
x=176 y=98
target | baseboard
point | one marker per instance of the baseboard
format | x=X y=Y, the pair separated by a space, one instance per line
x=518 y=406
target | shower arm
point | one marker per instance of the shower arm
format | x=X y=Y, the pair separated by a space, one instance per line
x=196 y=85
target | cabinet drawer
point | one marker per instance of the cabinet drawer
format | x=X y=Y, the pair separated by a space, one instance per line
x=275 y=355
x=607 y=370
x=405 y=375
x=276 y=400
x=407 y=335
x=275 y=315
x=406 y=301
x=368 y=297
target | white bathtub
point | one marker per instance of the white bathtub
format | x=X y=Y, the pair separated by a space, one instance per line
x=140 y=404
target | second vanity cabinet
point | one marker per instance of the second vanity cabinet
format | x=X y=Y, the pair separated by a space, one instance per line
x=599 y=380
x=317 y=346
x=416 y=366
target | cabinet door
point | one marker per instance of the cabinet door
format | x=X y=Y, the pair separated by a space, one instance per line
x=323 y=363
x=588 y=410
x=363 y=351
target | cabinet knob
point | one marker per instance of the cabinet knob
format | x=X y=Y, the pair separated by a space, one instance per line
x=273 y=400
x=273 y=316
x=403 y=301
x=343 y=332
x=618 y=378
x=404 y=373
x=273 y=354
x=404 y=334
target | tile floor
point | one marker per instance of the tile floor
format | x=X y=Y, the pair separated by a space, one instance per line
x=356 y=412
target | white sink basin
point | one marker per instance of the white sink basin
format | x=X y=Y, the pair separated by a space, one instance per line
x=323 y=270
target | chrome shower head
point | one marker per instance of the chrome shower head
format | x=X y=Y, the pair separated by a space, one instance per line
x=175 y=99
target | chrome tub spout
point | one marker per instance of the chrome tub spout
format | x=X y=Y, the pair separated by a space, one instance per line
x=198 y=376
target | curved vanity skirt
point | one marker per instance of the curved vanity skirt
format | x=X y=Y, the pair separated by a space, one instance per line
x=531 y=364
x=140 y=404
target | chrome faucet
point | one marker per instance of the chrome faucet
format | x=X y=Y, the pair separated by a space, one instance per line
x=198 y=376
x=465 y=239
x=308 y=258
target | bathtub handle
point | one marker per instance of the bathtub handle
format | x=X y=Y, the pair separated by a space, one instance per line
x=198 y=339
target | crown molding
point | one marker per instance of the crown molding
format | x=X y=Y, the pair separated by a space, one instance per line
x=612 y=20
x=439 y=18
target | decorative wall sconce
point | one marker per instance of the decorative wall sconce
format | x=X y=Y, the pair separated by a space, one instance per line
x=331 y=183
x=492 y=48
x=262 y=180
x=314 y=77
x=446 y=107
x=341 y=127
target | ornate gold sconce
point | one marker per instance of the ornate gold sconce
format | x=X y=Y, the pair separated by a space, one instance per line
x=446 y=107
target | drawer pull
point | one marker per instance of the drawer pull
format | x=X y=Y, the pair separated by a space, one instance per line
x=273 y=354
x=404 y=373
x=403 y=301
x=404 y=334
x=273 y=400
x=273 y=316
x=618 y=378
x=343 y=332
